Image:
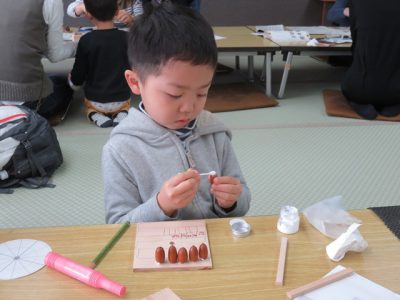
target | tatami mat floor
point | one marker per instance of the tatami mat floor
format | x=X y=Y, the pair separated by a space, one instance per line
x=291 y=154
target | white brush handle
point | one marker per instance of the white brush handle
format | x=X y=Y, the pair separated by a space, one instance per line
x=212 y=173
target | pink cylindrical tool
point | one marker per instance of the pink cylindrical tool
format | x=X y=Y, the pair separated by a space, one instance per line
x=82 y=273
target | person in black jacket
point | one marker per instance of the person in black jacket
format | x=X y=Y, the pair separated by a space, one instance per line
x=372 y=83
x=100 y=62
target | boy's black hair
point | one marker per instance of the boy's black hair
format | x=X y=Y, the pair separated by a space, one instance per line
x=102 y=10
x=169 y=31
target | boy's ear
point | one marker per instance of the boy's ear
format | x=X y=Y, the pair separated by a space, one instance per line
x=133 y=81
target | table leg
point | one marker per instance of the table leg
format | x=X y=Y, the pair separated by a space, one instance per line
x=285 y=74
x=268 y=63
x=237 y=62
x=250 y=67
x=262 y=75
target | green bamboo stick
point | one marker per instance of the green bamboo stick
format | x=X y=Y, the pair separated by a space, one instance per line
x=96 y=261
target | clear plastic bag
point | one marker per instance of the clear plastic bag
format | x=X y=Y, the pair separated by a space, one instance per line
x=329 y=217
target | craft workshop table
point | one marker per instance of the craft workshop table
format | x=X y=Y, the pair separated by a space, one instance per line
x=239 y=39
x=243 y=268
x=300 y=48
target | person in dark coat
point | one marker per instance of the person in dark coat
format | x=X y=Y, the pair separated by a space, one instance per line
x=372 y=83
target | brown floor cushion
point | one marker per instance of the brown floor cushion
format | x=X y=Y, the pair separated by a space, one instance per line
x=237 y=96
x=337 y=105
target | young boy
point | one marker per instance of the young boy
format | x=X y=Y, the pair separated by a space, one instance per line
x=151 y=163
x=100 y=62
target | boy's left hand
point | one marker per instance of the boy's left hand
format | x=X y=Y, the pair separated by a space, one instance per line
x=226 y=190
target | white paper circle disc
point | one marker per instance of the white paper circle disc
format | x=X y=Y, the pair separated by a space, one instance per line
x=20 y=258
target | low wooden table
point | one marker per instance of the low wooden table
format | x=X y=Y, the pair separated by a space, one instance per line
x=239 y=39
x=302 y=49
x=243 y=268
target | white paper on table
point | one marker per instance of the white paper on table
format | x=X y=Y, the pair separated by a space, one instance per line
x=336 y=40
x=337 y=31
x=218 y=37
x=164 y=294
x=68 y=36
x=287 y=36
x=312 y=43
x=257 y=33
x=354 y=287
x=22 y=257
x=265 y=28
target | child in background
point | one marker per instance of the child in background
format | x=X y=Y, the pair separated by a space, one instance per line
x=151 y=163
x=100 y=62
x=128 y=9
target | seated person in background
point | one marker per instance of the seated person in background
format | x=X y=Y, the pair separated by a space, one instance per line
x=27 y=33
x=152 y=160
x=372 y=83
x=339 y=13
x=100 y=62
x=128 y=10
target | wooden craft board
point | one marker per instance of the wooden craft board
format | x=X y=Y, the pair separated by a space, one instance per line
x=151 y=235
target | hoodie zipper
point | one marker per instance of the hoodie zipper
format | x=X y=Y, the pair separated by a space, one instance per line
x=192 y=164
x=188 y=154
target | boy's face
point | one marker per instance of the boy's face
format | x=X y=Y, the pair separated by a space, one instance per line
x=177 y=95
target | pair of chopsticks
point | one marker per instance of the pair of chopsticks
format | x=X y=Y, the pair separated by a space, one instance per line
x=310 y=286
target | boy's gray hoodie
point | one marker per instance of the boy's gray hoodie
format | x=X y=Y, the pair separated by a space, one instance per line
x=141 y=155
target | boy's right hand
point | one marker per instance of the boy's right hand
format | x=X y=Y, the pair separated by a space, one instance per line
x=123 y=17
x=178 y=191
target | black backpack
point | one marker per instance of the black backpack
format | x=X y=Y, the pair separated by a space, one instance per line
x=29 y=149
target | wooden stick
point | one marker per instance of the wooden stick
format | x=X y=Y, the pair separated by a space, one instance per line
x=281 y=263
x=109 y=245
x=319 y=283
